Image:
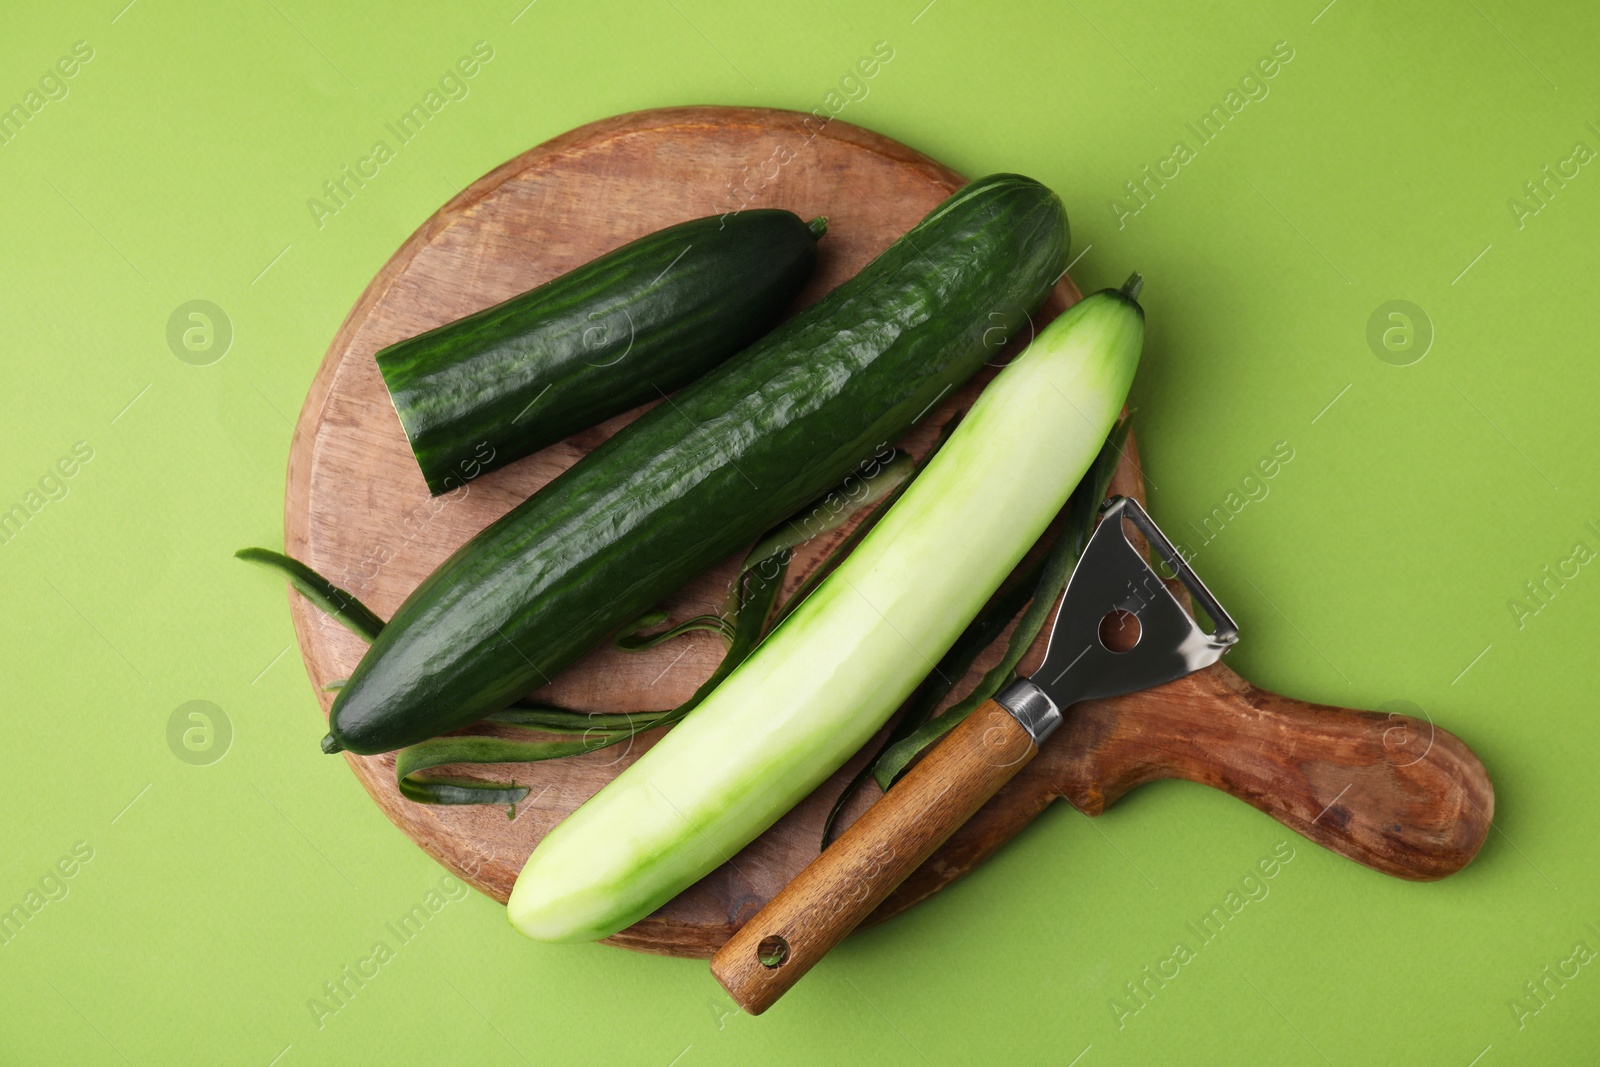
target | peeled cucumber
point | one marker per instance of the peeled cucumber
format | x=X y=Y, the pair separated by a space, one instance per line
x=835 y=669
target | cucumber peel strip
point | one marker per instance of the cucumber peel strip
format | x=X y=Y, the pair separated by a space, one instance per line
x=343 y=606
x=877 y=480
x=629 y=639
x=835 y=507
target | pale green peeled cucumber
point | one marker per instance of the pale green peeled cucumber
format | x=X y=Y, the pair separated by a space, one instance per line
x=830 y=675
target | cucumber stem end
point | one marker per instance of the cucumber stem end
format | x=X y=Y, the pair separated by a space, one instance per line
x=818 y=226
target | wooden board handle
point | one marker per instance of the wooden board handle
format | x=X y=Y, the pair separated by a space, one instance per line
x=1398 y=794
x=842 y=886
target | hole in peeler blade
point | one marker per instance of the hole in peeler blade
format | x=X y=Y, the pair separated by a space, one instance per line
x=1119 y=631
x=773 y=951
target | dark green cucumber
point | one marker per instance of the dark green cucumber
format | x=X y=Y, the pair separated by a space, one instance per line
x=704 y=473
x=638 y=322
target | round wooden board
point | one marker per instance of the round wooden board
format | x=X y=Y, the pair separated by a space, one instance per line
x=357 y=509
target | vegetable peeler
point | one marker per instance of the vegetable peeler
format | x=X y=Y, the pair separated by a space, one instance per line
x=1119 y=629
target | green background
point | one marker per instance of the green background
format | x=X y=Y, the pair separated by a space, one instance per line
x=1378 y=568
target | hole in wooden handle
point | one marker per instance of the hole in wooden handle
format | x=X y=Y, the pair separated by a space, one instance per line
x=773 y=951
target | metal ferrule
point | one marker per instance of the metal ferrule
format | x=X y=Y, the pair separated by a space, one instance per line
x=1032 y=708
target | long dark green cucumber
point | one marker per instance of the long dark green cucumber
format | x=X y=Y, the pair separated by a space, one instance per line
x=705 y=472
x=639 y=321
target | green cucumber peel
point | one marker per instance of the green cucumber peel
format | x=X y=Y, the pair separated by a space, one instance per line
x=410 y=763
x=550 y=719
x=632 y=640
x=877 y=479
x=343 y=606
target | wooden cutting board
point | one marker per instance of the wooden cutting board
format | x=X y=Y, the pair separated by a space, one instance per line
x=1396 y=794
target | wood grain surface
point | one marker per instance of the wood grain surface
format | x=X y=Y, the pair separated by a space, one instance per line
x=357 y=510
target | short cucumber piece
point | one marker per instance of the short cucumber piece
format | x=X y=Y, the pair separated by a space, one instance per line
x=706 y=472
x=636 y=323
x=831 y=673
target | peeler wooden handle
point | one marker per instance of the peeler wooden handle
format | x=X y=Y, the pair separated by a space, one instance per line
x=851 y=878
